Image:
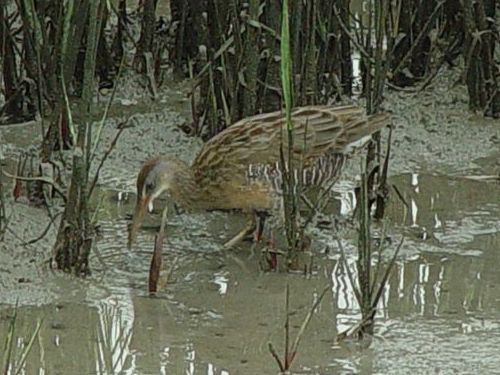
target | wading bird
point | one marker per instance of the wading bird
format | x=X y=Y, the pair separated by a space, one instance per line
x=239 y=167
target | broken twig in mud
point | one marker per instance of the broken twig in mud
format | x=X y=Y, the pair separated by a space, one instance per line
x=57 y=188
x=45 y=231
x=487 y=178
x=400 y=196
x=105 y=114
x=121 y=127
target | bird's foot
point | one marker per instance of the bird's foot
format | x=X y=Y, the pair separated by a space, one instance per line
x=248 y=230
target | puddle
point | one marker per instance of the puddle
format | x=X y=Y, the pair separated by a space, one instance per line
x=439 y=314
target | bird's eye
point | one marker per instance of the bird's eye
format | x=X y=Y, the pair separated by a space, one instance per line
x=149 y=186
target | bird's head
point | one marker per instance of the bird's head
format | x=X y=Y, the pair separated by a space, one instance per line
x=157 y=176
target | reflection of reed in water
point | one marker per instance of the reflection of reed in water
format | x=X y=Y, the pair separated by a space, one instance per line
x=114 y=334
x=17 y=348
x=451 y=250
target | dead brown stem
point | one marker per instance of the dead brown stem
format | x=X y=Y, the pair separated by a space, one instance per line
x=156 y=261
x=58 y=188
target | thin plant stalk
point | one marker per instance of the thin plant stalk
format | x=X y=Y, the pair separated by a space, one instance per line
x=369 y=286
x=290 y=351
x=3 y=216
x=289 y=185
x=97 y=137
x=68 y=14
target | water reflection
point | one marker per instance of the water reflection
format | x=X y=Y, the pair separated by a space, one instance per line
x=221 y=280
x=114 y=332
x=435 y=279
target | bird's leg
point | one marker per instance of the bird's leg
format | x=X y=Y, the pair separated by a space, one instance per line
x=262 y=216
x=248 y=229
x=273 y=256
x=270 y=253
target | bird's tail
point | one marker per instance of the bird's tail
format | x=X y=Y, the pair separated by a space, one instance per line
x=358 y=132
x=366 y=126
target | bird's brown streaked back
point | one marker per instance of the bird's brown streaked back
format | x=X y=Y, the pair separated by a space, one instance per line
x=257 y=139
x=218 y=176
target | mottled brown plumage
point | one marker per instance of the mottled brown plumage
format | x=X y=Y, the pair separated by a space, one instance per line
x=221 y=175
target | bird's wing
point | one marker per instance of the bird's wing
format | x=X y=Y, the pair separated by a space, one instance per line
x=256 y=140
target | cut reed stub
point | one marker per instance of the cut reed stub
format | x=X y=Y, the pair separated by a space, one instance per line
x=156 y=261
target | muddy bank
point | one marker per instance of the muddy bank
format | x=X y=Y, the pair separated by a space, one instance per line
x=435 y=132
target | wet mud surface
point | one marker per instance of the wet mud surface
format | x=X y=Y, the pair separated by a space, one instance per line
x=218 y=310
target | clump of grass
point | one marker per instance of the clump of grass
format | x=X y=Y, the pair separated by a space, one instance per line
x=292 y=190
x=371 y=281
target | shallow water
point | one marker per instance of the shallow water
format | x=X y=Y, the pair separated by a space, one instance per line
x=216 y=315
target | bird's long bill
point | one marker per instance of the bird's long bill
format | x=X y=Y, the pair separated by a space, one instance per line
x=141 y=207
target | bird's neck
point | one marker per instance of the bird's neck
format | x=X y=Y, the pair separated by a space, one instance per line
x=187 y=192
